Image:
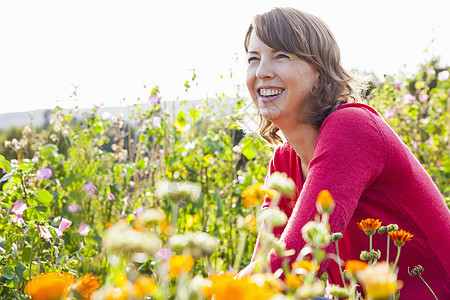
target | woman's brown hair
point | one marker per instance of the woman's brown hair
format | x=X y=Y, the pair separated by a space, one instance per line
x=293 y=31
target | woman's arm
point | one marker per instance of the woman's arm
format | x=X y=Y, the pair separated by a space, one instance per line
x=349 y=154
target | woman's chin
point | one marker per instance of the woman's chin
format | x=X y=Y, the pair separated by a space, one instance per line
x=271 y=113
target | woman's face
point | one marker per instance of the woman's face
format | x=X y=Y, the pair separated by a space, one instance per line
x=279 y=83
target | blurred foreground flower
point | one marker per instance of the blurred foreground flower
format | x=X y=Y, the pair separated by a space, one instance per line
x=225 y=287
x=177 y=191
x=179 y=263
x=255 y=194
x=325 y=202
x=121 y=237
x=379 y=281
x=282 y=183
x=196 y=244
x=273 y=216
x=149 y=217
x=84 y=287
x=353 y=266
x=49 y=286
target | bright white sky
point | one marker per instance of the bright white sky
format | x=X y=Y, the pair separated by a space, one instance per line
x=112 y=48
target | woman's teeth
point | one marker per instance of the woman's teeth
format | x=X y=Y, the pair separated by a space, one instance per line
x=269 y=92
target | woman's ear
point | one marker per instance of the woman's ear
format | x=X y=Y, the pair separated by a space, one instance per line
x=316 y=81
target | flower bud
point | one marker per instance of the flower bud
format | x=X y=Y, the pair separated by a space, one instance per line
x=392 y=227
x=416 y=271
x=336 y=236
x=274 y=216
x=282 y=183
x=382 y=229
x=316 y=233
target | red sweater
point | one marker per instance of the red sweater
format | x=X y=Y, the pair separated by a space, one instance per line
x=370 y=173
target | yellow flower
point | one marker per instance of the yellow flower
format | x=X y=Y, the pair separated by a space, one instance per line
x=49 y=286
x=179 y=263
x=85 y=286
x=225 y=287
x=400 y=237
x=293 y=281
x=255 y=194
x=191 y=220
x=353 y=266
x=144 y=286
x=369 y=226
x=325 y=202
x=304 y=264
x=379 y=281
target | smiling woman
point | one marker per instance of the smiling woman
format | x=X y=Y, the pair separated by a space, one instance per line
x=299 y=87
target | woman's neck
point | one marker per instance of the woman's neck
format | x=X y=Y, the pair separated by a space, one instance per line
x=302 y=139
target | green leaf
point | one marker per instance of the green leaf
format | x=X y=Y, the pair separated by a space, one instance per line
x=249 y=149
x=181 y=118
x=195 y=114
x=8 y=175
x=4 y=163
x=44 y=197
x=141 y=164
x=8 y=273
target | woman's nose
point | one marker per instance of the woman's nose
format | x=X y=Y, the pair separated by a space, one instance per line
x=265 y=70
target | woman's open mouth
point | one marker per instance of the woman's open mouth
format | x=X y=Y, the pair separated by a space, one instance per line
x=268 y=95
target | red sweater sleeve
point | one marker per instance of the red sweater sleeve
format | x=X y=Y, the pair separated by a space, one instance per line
x=349 y=154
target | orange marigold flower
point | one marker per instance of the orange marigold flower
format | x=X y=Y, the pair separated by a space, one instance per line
x=225 y=287
x=325 y=202
x=179 y=263
x=400 y=237
x=85 y=286
x=144 y=286
x=49 y=286
x=304 y=264
x=369 y=226
x=255 y=194
x=352 y=266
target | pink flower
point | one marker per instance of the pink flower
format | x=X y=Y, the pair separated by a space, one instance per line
x=89 y=188
x=390 y=112
x=164 y=254
x=138 y=210
x=62 y=226
x=443 y=76
x=408 y=98
x=44 y=173
x=44 y=232
x=398 y=84
x=106 y=116
x=35 y=159
x=423 y=97
x=18 y=208
x=97 y=106
x=83 y=229
x=154 y=100
x=111 y=196
x=74 y=208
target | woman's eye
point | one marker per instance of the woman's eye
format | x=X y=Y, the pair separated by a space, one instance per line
x=250 y=59
x=282 y=56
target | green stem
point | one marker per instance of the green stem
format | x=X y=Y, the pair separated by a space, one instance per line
x=428 y=287
x=340 y=267
x=240 y=251
x=396 y=259
x=370 y=243
x=387 y=253
x=31 y=254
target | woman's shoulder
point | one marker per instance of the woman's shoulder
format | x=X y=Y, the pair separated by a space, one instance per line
x=354 y=116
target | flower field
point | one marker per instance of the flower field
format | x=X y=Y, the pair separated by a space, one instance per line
x=167 y=206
